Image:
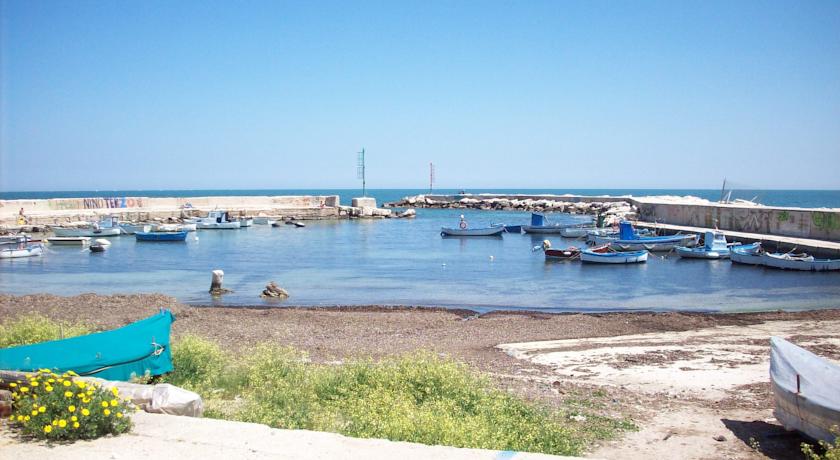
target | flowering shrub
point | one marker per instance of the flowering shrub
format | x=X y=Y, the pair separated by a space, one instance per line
x=59 y=407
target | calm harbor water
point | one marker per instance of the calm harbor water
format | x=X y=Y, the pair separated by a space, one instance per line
x=406 y=262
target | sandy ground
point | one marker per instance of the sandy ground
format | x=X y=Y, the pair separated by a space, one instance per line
x=684 y=378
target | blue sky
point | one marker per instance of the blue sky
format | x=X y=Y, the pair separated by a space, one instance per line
x=589 y=94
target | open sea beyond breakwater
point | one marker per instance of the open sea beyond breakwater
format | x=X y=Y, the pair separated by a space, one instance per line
x=406 y=262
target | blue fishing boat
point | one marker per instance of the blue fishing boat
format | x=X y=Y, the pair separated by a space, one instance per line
x=714 y=247
x=540 y=225
x=749 y=254
x=161 y=236
x=629 y=240
x=131 y=351
x=605 y=255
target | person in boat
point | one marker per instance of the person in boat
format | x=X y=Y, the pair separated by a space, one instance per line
x=463 y=224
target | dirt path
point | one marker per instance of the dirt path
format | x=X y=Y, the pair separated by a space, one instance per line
x=726 y=393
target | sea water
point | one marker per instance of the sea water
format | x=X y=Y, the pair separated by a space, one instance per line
x=407 y=262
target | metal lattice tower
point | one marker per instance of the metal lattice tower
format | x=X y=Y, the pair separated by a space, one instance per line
x=360 y=170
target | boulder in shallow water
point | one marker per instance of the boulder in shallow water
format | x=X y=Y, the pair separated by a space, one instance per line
x=274 y=291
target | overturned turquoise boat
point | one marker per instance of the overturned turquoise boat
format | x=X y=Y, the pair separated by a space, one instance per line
x=135 y=350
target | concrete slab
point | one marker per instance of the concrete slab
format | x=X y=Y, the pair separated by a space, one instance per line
x=167 y=436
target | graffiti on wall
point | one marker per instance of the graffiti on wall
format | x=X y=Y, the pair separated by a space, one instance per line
x=825 y=221
x=96 y=203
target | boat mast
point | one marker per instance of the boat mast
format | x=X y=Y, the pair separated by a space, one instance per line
x=360 y=170
x=722 y=191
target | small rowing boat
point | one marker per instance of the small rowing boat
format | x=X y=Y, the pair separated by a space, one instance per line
x=605 y=255
x=714 y=246
x=802 y=262
x=23 y=249
x=161 y=236
x=485 y=231
x=569 y=253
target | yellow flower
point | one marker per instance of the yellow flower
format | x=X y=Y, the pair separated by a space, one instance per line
x=81 y=384
x=25 y=418
x=74 y=418
x=34 y=411
x=106 y=412
x=75 y=424
x=47 y=428
x=71 y=408
x=62 y=423
x=80 y=395
x=104 y=403
x=72 y=373
x=55 y=422
x=119 y=415
x=115 y=391
x=34 y=405
x=114 y=402
x=48 y=388
x=13 y=384
x=24 y=389
x=19 y=418
x=85 y=412
x=51 y=380
x=42 y=409
x=66 y=383
x=85 y=400
x=34 y=383
x=68 y=394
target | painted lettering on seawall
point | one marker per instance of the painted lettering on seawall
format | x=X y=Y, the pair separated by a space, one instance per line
x=96 y=203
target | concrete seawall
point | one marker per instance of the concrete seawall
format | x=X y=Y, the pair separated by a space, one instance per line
x=62 y=210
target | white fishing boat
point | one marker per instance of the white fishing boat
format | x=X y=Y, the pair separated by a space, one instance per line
x=805 y=389
x=714 y=246
x=246 y=222
x=187 y=227
x=575 y=232
x=605 y=255
x=69 y=240
x=108 y=226
x=217 y=220
x=22 y=248
x=748 y=254
x=130 y=228
x=263 y=221
x=802 y=262
x=486 y=231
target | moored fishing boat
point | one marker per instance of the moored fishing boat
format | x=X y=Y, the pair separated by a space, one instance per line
x=69 y=240
x=802 y=262
x=576 y=231
x=714 y=246
x=569 y=253
x=748 y=254
x=485 y=231
x=99 y=245
x=540 y=225
x=22 y=248
x=217 y=220
x=629 y=240
x=605 y=255
x=130 y=228
x=805 y=390
x=245 y=222
x=161 y=236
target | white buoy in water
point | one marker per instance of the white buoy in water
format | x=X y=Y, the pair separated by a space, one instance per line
x=492 y=258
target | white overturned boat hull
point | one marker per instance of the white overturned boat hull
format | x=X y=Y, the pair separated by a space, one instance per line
x=29 y=251
x=810 y=264
x=614 y=257
x=748 y=254
x=805 y=389
x=490 y=231
x=90 y=232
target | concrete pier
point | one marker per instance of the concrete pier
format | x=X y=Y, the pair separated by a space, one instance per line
x=63 y=210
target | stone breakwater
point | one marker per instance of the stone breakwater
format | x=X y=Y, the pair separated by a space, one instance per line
x=612 y=209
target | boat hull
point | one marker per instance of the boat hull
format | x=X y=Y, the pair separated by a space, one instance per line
x=804 y=389
x=130 y=229
x=29 y=251
x=562 y=254
x=489 y=231
x=161 y=236
x=90 y=232
x=69 y=241
x=747 y=254
x=575 y=232
x=613 y=257
x=217 y=225
x=701 y=253
x=263 y=221
x=784 y=262
x=543 y=229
